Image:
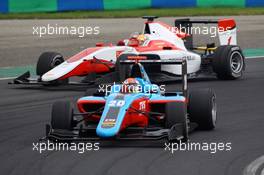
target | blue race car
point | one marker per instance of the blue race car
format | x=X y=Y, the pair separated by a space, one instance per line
x=135 y=110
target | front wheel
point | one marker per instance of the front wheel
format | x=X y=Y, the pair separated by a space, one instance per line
x=62 y=115
x=46 y=62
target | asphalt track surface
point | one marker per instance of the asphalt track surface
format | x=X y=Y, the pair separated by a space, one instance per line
x=25 y=110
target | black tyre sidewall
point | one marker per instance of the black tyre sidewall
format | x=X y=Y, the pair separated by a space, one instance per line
x=46 y=62
x=222 y=64
x=62 y=115
x=200 y=108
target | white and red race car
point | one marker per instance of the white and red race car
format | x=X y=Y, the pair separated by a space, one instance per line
x=158 y=41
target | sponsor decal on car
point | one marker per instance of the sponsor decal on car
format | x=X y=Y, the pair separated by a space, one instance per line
x=108 y=123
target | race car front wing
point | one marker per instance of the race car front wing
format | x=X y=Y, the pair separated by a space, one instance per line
x=128 y=136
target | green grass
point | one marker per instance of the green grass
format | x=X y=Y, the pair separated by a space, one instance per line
x=217 y=11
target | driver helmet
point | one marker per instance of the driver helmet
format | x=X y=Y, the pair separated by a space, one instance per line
x=130 y=85
x=141 y=38
x=137 y=39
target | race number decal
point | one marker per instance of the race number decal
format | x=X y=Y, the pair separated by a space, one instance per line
x=114 y=108
x=116 y=103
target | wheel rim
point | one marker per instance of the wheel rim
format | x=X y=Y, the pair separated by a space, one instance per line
x=236 y=62
x=214 y=109
x=56 y=61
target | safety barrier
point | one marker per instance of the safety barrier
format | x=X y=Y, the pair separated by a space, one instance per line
x=13 y=6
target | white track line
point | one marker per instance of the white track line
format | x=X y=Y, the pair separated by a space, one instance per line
x=254 y=57
x=7 y=78
x=252 y=168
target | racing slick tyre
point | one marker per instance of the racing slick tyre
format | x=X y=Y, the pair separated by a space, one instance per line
x=62 y=115
x=175 y=112
x=228 y=62
x=46 y=62
x=202 y=108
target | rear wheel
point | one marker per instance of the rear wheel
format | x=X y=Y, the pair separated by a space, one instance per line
x=176 y=113
x=62 y=115
x=228 y=62
x=46 y=62
x=202 y=108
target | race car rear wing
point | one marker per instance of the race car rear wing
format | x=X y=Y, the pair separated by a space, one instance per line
x=138 y=59
x=226 y=30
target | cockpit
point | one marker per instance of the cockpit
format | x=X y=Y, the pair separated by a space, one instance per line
x=131 y=85
x=136 y=39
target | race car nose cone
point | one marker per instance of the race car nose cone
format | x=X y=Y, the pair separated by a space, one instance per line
x=107 y=128
x=106 y=132
x=47 y=77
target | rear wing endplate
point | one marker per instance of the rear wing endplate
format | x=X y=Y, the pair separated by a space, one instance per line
x=226 y=30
